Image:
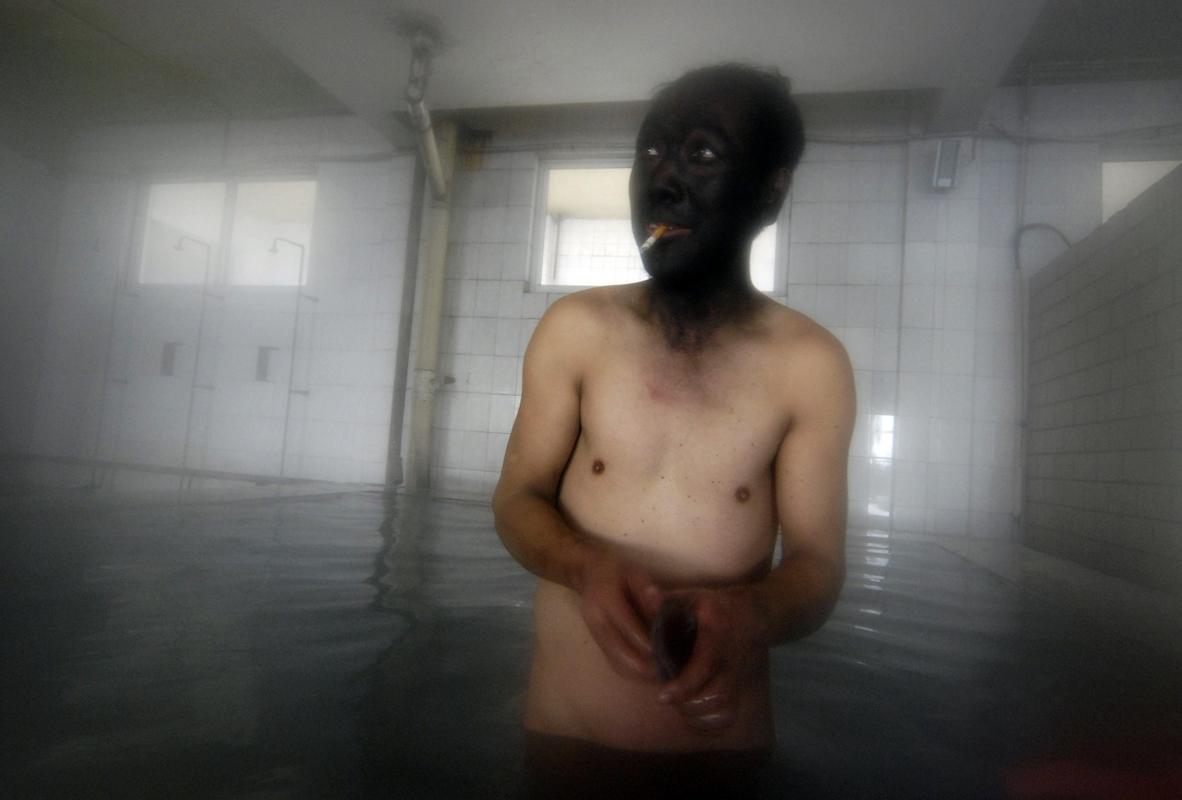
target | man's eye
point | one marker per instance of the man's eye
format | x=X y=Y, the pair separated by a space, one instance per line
x=651 y=151
x=703 y=154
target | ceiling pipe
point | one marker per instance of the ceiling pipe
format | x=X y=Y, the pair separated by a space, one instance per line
x=424 y=42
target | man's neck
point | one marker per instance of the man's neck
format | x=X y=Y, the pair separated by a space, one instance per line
x=690 y=318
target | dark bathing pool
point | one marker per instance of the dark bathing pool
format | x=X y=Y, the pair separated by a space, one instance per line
x=372 y=645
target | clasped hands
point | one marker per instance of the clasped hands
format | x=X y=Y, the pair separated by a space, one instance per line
x=620 y=604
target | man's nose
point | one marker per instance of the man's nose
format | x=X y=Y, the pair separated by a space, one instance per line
x=667 y=185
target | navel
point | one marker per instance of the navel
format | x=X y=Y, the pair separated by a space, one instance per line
x=597 y=467
x=742 y=494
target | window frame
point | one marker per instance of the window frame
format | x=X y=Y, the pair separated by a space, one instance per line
x=616 y=160
x=603 y=160
x=219 y=268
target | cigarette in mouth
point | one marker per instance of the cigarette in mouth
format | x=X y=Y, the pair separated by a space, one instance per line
x=650 y=241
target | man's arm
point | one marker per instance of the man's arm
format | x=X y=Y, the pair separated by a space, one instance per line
x=525 y=503
x=796 y=596
x=811 y=500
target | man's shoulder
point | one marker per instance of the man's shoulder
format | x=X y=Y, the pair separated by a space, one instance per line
x=580 y=321
x=811 y=364
x=594 y=308
x=795 y=334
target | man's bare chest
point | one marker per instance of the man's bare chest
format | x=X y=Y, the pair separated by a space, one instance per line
x=712 y=415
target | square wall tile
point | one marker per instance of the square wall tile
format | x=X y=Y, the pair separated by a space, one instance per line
x=951 y=442
x=916 y=390
x=953 y=352
x=916 y=348
x=911 y=484
x=488 y=298
x=506 y=375
x=952 y=397
x=508 y=335
x=484 y=335
x=952 y=487
x=912 y=438
x=502 y=412
x=495 y=451
x=918 y=306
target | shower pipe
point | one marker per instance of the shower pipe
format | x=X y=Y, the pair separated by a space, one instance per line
x=295 y=333
x=180 y=246
x=1023 y=352
x=1024 y=140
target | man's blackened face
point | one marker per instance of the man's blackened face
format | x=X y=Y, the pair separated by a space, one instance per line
x=697 y=170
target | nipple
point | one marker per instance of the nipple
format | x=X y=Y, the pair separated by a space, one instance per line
x=597 y=467
x=742 y=494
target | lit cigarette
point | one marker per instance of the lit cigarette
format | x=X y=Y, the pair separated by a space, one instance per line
x=650 y=241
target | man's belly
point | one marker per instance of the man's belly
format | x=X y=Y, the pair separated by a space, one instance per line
x=689 y=525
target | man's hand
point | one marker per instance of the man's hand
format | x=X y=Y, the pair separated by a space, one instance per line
x=617 y=602
x=732 y=638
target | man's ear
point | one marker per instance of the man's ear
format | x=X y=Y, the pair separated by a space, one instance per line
x=778 y=185
x=777 y=188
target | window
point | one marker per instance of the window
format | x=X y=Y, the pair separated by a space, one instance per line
x=268 y=226
x=1122 y=181
x=587 y=231
x=268 y=219
x=183 y=231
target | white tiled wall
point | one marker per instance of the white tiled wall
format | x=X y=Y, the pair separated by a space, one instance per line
x=1104 y=465
x=488 y=316
x=345 y=351
x=920 y=286
x=844 y=267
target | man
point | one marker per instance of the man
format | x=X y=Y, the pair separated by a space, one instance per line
x=667 y=429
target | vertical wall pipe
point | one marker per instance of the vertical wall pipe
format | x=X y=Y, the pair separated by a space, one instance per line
x=395 y=470
x=295 y=339
x=186 y=479
x=418 y=472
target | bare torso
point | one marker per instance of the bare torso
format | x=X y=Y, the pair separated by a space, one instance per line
x=673 y=467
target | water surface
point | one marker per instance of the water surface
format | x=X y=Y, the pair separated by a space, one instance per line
x=366 y=645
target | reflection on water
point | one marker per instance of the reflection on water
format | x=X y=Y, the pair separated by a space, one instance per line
x=368 y=645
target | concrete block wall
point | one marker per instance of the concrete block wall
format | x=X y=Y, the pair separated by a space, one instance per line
x=345 y=352
x=1104 y=465
x=30 y=202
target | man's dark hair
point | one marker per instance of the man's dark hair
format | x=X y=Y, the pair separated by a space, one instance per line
x=777 y=119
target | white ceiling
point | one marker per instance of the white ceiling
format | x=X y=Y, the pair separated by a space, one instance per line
x=542 y=52
x=66 y=65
